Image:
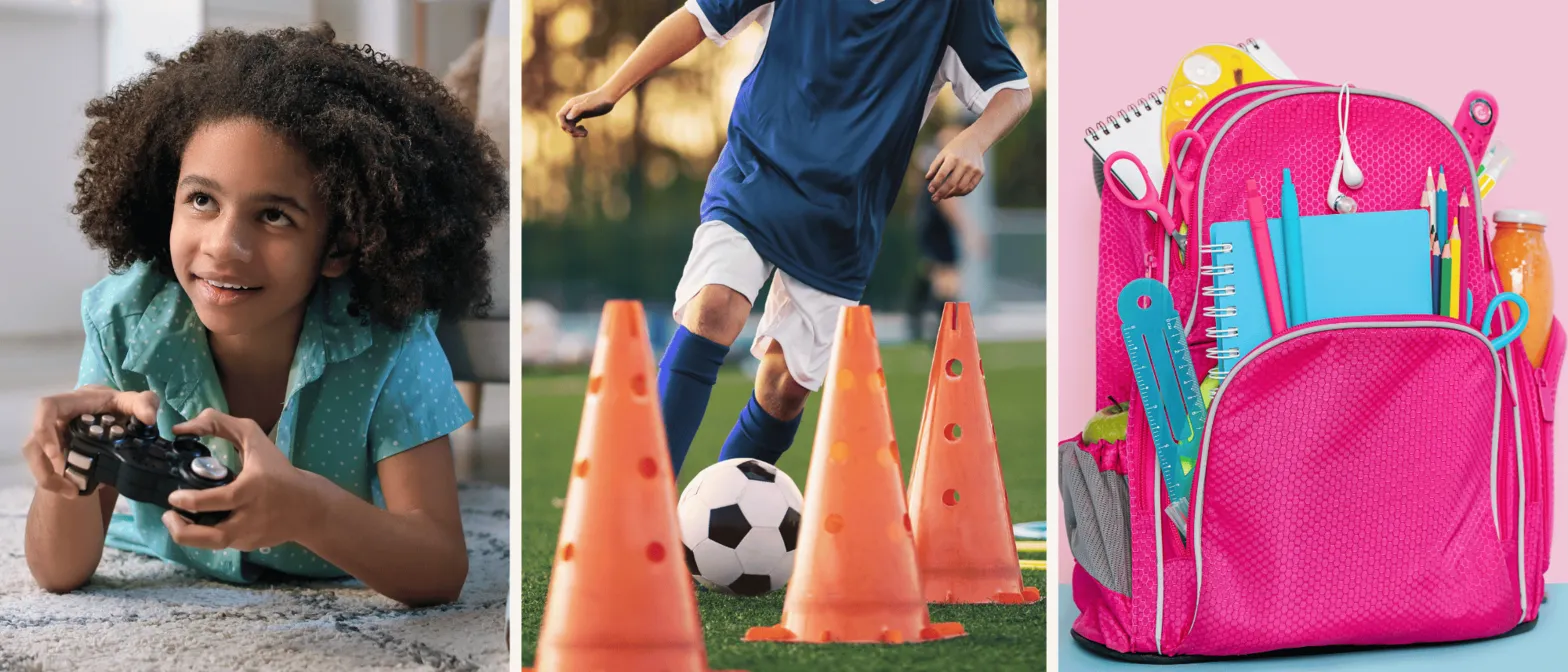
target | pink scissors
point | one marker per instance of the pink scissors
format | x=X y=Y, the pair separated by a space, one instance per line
x=1151 y=197
x=1181 y=177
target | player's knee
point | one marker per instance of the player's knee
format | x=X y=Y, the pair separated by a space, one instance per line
x=717 y=313
x=778 y=393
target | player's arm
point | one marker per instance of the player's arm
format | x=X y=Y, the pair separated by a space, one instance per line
x=674 y=37
x=988 y=79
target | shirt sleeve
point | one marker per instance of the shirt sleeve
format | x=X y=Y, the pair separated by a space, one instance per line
x=978 y=60
x=722 y=20
x=419 y=402
x=95 y=368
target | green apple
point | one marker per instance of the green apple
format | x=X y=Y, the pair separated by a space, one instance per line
x=1107 y=424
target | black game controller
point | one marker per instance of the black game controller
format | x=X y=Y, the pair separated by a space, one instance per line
x=141 y=465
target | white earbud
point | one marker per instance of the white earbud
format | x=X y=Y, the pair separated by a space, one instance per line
x=1344 y=164
x=1337 y=201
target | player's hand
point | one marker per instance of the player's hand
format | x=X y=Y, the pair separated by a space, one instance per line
x=270 y=503
x=957 y=169
x=595 y=103
x=45 y=448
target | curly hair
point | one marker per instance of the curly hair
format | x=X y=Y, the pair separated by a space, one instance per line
x=413 y=184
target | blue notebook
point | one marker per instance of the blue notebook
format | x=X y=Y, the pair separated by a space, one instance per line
x=1367 y=263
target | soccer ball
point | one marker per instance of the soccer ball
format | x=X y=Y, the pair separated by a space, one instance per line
x=739 y=521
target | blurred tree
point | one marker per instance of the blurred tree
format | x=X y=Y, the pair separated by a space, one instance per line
x=611 y=215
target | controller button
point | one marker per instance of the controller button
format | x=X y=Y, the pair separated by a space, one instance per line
x=107 y=419
x=88 y=418
x=79 y=480
x=116 y=432
x=95 y=431
x=79 y=461
x=209 y=468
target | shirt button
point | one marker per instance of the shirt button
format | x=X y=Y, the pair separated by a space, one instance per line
x=265 y=551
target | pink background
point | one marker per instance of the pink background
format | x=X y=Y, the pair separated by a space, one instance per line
x=1432 y=52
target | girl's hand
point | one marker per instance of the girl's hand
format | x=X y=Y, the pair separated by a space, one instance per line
x=45 y=448
x=592 y=104
x=271 y=502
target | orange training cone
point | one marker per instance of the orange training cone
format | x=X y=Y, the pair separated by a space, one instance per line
x=963 y=532
x=855 y=577
x=620 y=597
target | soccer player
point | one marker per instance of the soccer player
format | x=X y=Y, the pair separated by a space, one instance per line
x=819 y=139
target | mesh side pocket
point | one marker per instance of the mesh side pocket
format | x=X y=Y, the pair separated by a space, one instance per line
x=1098 y=527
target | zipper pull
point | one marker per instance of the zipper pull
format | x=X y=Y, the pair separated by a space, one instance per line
x=1149 y=263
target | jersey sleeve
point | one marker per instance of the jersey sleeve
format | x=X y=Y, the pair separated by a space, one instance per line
x=419 y=402
x=722 y=20
x=978 y=61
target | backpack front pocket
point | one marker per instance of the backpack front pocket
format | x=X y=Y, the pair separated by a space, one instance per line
x=1346 y=492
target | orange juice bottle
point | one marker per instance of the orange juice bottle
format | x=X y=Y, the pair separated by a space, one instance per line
x=1526 y=269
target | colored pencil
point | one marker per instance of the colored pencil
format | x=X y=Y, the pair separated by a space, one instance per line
x=1437 y=278
x=1454 y=240
x=1447 y=274
x=1442 y=206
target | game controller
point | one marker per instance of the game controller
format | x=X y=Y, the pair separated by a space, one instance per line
x=140 y=464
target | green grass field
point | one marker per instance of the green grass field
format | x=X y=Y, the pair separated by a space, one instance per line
x=1000 y=637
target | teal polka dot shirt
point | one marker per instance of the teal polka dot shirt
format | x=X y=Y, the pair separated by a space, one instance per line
x=357 y=394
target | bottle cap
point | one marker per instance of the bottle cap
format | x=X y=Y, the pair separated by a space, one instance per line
x=1535 y=217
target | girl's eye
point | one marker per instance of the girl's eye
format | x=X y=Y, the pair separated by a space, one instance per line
x=275 y=217
x=201 y=202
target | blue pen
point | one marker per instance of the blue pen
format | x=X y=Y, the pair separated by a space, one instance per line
x=1295 y=285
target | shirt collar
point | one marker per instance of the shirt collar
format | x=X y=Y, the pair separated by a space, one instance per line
x=169 y=344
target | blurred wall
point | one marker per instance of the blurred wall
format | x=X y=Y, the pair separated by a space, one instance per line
x=50 y=66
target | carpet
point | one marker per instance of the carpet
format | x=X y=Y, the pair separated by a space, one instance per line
x=140 y=613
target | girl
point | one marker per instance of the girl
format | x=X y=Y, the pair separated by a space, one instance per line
x=284 y=217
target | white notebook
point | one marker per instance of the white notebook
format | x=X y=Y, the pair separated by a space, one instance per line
x=1136 y=128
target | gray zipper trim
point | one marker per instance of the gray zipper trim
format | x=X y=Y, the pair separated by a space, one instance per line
x=1203 y=172
x=1208 y=426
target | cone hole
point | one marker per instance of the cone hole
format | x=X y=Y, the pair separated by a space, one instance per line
x=839 y=451
x=834 y=523
x=846 y=379
x=566 y=553
x=648 y=467
x=953 y=432
x=955 y=368
x=656 y=552
x=892 y=452
x=594 y=384
x=950 y=497
x=907 y=526
x=581 y=470
x=981 y=363
x=881 y=379
x=1144 y=302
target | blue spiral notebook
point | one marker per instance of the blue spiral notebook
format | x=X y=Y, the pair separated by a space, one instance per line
x=1366 y=263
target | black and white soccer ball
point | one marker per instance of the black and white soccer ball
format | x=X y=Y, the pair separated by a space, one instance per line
x=739 y=522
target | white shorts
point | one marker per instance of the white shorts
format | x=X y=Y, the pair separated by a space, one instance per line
x=800 y=317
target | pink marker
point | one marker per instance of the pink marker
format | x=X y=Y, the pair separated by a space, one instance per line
x=1265 y=251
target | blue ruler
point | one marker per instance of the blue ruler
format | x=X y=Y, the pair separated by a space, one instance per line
x=1167 y=385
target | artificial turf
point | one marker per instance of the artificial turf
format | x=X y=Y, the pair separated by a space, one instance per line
x=1000 y=637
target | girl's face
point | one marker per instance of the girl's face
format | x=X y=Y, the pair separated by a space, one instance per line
x=249 y=233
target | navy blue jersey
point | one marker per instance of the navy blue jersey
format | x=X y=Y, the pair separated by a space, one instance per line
x=823 y=126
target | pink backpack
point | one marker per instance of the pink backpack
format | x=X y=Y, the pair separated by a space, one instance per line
x=1360 y=481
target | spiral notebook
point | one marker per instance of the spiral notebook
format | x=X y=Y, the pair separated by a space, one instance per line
x=1367 y=263
x=1136 y=127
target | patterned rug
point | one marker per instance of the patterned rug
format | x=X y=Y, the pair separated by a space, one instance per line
x=140 y=613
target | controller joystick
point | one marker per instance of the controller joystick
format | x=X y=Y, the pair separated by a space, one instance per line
x=133 y=458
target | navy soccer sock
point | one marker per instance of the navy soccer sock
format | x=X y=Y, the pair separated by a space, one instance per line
x=686 y=376
x=758 y=435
